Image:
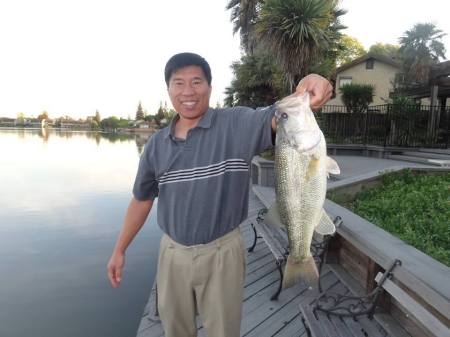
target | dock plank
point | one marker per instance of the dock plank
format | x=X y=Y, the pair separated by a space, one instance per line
x=294 y=328
x=260 y=316
x=276 y=321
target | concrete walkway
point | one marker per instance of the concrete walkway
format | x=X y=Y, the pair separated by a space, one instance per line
x=352 y=166
x=358 y=168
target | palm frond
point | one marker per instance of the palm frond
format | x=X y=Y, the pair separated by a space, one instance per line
x=298 y=31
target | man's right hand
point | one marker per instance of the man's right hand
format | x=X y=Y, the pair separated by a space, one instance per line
x=134 y=219
x=115 y=268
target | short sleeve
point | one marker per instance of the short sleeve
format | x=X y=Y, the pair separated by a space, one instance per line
x=145 y=185
x=255 y=127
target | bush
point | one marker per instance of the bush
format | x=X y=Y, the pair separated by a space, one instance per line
x=413 y=207
x=403 y=104
x=357 y=97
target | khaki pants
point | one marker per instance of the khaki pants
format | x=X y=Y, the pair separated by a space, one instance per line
x=205 y=278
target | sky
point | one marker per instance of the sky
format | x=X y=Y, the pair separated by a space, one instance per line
x=73 y=57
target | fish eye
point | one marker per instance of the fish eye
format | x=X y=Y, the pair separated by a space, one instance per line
x=284 y=115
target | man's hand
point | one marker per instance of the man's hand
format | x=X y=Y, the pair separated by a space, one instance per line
x=134 y=219
x=320 y=90
x=115 y=267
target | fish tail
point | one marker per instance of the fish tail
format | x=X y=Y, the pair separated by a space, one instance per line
x=304 y=270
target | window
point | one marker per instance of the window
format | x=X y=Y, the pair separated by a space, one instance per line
x=343 y=80
x=370 y=63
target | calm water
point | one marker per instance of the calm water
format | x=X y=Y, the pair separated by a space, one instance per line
x=62 y=201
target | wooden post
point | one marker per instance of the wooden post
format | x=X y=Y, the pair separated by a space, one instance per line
x=432 y=116
x=434 y=94
x=372 y=271
x=438 y=76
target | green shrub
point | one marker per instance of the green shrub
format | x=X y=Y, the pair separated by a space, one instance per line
x=403 y=105
x=413 y=207
x=357 y=97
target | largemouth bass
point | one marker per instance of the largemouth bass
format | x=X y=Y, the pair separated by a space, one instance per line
x=301 y=170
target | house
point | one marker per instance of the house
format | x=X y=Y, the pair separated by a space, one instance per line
x=377 y=70
x=5 y=121
x=141 y=124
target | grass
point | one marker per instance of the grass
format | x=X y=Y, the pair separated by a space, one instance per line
x=413 y=207
x=268 y=154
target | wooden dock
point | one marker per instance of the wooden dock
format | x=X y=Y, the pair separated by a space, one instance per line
x=262 y=317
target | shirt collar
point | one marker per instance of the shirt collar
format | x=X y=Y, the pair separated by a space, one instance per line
x=205 y=122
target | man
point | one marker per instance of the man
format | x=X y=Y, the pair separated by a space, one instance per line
x=199 y=169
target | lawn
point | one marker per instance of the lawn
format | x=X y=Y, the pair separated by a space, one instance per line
x=413 y=207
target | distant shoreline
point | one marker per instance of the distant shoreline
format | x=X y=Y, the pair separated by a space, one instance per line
x=129 y=131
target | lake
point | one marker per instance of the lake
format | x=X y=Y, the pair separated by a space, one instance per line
x=63 y=198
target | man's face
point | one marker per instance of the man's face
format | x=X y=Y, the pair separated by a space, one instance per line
x=189 y=92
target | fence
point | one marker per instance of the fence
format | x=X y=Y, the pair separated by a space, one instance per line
x=387 y=125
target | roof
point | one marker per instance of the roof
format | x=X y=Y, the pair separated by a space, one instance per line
x=378 y=57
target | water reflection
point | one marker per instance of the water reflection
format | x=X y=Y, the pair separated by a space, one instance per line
x=64 y=196
x=140 y=142
x=45 y=134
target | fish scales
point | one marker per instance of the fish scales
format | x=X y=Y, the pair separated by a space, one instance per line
x=301 y=169
x=299 y=198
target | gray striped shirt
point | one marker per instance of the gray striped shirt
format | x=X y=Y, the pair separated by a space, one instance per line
x=202 y=183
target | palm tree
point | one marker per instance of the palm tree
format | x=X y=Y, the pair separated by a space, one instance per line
x=298 y=32
x=421 y=47
x=244 y=14
x=257 y=81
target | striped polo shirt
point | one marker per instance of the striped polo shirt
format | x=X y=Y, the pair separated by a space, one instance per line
x=202 y=182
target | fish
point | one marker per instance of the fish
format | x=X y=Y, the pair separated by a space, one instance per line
x=301 y=170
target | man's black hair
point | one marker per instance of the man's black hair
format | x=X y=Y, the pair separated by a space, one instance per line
x=182 y=60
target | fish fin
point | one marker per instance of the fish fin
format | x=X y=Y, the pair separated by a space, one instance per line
x=325 y=226
x=332 y=166
x=305 y=270
x=273 y=217
x=312 y=167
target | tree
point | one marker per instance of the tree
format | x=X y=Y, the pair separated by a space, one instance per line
x=386 y=49
x=43 y=115
x=420 y=47
x=20 y=118
x=342 y=49
x=326 y=65
x=257 y=82
x=140 y=113
x=169 y=114
x=94 y=125
x=149 y=118
x=110 y=123
x=298 y=32
x=97 y=117
x=123 y=123
x=349 y=50
x=244 y=14
x=160 y=115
